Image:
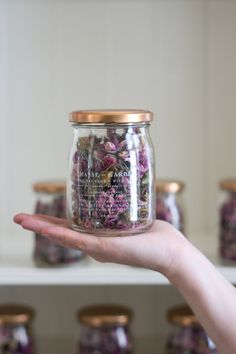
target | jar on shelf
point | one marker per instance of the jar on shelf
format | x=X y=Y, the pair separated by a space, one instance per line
x=16 y=335
x=51 y=200
x=228 y=220
x=105 y=329
x=169 y=204
x=188 y=336
x=111 y=180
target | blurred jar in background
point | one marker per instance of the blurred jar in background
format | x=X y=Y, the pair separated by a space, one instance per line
x=188 y=336
x=51 y=200
x=16 y=335
x=105 y=330
x=169 y=204
x=227 y=217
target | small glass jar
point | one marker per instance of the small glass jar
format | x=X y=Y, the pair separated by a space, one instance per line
x=51 y=200
x=16 y=335
x=105 y=330
x=188 y=337
x=111 y=179
x=169 y=206
x=227 y=224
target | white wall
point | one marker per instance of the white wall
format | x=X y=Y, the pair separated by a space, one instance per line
x=64 y=55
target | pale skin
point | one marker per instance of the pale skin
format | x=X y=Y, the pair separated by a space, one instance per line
x=162 y=249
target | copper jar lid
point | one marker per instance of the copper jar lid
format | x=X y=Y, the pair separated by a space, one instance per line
x=182 y=315
x=105 y=315
x=228 y=184
x=169 y=186
x=12 y=314
x=49 y=187
x=114 y=116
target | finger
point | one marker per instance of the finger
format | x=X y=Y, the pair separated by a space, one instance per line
x=72 y=239
x=18 y=218
x=63 y=235
x=100 y=248
x=35 y=224
x=51 y=219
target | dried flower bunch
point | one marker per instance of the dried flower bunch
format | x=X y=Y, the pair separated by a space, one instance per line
x=106 y=340
x=228 y=228
x=110 y=180
x=16 y=340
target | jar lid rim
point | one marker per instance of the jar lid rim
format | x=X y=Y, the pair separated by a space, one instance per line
x=111 y=116
x=105 y=315
x=182 y=315
x=11 y=314
x=169 y=186
x=49 y=187
x=228 y=184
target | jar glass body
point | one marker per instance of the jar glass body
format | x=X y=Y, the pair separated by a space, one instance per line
x=227 y=225
x=16 y=339
x=45 y=250
x=169 y=207
x=111 y=179
x=190 y=339
x=105 y=340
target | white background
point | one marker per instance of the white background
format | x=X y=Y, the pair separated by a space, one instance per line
x=174 y=57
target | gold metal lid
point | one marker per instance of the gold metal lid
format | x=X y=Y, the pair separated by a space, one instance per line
x=228 y=184
x=113 y=116
x=169 y=186
x=49 y=187
x=12 y=314
x=182 y=315
x=105 y=315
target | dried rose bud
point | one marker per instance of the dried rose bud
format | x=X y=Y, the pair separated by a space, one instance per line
x=110 y=147
x=109 y=161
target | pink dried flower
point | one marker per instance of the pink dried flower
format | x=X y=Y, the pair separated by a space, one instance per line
x=110 y=147
x=122 y=144
x=109 y=161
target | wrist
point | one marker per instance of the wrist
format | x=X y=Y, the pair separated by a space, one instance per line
x=179 y=251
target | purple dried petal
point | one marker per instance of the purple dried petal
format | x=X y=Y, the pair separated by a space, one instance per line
x=109 y=161
x=83 y=165
x=109 y=147
x=99 y=153
x=122 y=144
x=98 y=165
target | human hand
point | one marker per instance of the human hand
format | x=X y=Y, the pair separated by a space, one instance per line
x=155 y=249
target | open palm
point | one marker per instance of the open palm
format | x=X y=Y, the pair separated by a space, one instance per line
x=150 y=250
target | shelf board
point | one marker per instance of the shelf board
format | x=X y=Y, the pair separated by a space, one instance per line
x=18 y=268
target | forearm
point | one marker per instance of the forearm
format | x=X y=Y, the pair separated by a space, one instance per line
x=212 y=298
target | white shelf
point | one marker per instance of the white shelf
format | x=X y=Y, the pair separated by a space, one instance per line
x=17 y=267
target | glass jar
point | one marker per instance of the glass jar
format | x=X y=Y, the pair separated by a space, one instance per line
x=228 y=220
x=51 y=200
x=169 y=206
x=111 y=180
x=15 y=329
x=105 y=330
x=188 y=337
